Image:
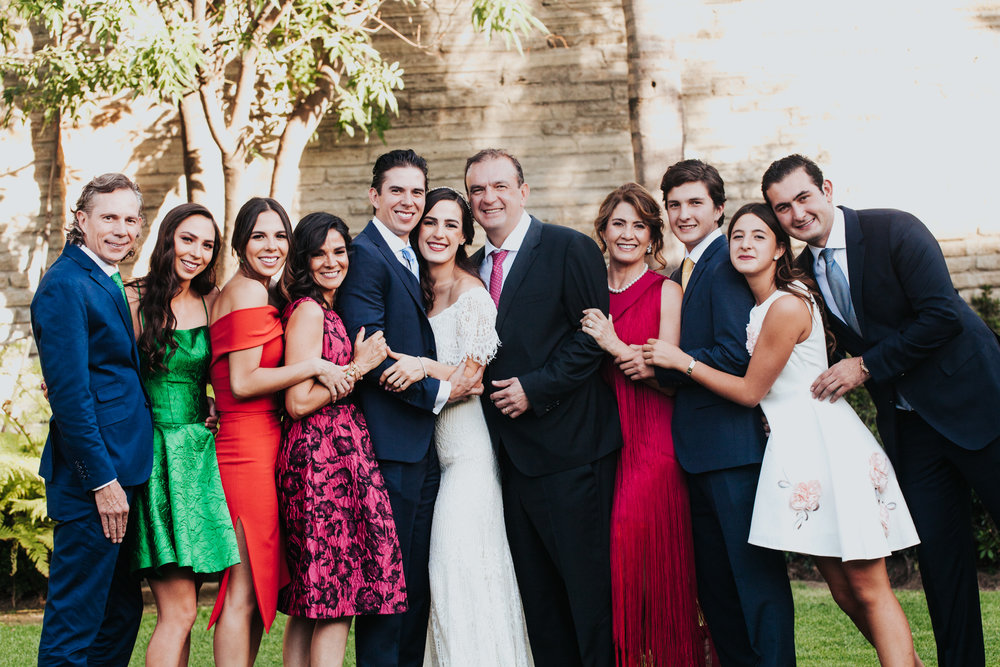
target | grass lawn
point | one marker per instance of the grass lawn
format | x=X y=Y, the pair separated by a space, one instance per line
x=824 y=637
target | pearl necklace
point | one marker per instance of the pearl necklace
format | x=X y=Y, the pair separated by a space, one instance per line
x=619 y=291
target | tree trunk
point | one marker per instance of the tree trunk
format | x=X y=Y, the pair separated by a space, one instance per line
x=656 y=114
x=233 y=169
x=202 y=158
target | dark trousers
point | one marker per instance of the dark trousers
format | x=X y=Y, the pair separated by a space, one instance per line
x=398 y=639
x=559 y=529
x=94 y=604
x=935 y=476
x=743 y=589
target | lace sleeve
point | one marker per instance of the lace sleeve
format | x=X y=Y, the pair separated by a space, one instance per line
x=477 y=335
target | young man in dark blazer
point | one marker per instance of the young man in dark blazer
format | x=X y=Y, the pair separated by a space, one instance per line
x=100 y=444
x=743 y=589
x=382 y=293
x=931 y=365
x=552 y=420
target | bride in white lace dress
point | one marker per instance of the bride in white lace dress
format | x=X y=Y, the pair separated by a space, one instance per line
x=476 y=616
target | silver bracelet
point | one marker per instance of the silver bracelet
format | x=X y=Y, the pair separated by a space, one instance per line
x=691 y=365
x=421 y=360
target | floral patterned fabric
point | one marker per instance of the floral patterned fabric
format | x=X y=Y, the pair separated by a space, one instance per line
x=826 y=487
x=342 y=549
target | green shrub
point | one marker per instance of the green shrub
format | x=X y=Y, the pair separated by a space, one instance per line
x=984 y=529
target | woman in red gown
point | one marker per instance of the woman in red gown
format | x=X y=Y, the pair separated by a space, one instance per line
x=654 y=594
x=247 y=376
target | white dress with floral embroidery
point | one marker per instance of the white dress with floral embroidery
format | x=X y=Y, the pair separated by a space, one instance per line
x=826 y=487
x=476 y=616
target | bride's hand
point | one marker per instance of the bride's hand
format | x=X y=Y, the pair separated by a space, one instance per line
x=403 y=373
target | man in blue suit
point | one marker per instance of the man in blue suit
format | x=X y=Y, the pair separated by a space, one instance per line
x=743 y=589
x=100 y=444
x=382 y=293
x=931 y=365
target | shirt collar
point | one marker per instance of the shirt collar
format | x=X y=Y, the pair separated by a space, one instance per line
x=395 y=243
x=699 y=249
x=514 y=240
x=109 y=269
x=838 y=235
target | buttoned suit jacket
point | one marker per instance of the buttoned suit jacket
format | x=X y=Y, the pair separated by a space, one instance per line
x=101 y=428
x=557 y=273
x=917 y=334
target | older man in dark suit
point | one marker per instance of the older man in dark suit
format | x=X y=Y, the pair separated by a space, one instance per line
x=100 y=444
x=931 y=365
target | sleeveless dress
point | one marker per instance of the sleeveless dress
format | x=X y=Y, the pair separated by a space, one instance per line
x=181 y=514
x=247 y=448
x=343 y=553
x=654 y=593
x=475 y=615
x=826 y=487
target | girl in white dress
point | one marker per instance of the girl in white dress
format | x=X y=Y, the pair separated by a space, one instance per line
x=826 y=488
x=475 y=616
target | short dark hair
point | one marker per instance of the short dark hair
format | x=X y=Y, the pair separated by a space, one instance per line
x=496 y=154
x=310 y=235
x=403 y=157
x=780 y=169
x=695 y=171
x=246 y=219
x=644 y=204
x=101 y=185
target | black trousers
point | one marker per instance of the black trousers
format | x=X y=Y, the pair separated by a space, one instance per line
x=559 y=529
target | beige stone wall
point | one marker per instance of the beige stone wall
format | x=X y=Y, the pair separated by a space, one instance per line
x=898 y=103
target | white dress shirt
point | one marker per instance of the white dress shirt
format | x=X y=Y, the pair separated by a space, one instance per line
x=511 y=244
x=702 y=246
x=838 y=241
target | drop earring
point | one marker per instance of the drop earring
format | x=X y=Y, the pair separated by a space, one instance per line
x=649 y=249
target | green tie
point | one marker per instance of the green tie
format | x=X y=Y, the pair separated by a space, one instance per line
x=117 y=277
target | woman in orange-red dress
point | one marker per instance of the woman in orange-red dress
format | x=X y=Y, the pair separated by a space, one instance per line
x=247 y=375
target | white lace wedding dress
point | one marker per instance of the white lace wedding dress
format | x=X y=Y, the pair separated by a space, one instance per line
x=476 y=616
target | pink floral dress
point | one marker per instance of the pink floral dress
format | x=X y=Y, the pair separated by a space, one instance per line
x=826 y=487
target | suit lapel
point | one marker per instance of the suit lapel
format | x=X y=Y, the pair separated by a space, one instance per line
x=409 y=281
x=700 y=267
x=855 y=241
x=525 y=256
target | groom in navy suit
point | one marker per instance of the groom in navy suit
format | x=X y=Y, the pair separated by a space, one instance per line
x=743 y=589
x=932 y=368
x=382 y=293
x=100 y=444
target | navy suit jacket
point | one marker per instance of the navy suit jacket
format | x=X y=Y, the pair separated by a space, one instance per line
x=918 y=336
x=101 y=428
x=710 y=432
x=380 y=294
x=556 y=274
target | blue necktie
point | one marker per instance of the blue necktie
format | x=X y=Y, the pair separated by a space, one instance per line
x=411 y=260
x=841 y=291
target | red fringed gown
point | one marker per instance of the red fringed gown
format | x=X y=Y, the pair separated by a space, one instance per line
x=654 y=594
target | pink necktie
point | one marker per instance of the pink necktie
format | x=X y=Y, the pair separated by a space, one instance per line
x=496 y=275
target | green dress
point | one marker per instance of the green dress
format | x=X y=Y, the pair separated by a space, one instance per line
x=181 y=514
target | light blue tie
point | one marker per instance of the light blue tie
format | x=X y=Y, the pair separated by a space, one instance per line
x=841 y=291
x=411 y=260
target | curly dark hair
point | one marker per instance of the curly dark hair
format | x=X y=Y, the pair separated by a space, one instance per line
x=462 y=260
x=786 y=272
x=644 y=204
x=309 y=236
x=156 y=290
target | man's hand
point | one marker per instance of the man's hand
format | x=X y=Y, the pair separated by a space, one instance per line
x=464 y=383
x=839 y=379
x=112 y=505
x=633 y=365
x=511 y=399
x=212 y=420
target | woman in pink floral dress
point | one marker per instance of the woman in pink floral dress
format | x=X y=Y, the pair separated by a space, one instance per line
x=826 y=488
x=342 y=549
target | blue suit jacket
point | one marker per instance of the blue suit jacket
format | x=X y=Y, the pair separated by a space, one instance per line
x=711 y=433
x=380 y=294
x=101 y=428
x=918 y=335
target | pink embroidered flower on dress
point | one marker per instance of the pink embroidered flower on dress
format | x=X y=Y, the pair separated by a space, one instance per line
x=805 y=496
x=751 y=338
x=883 y=515
x=878 y=472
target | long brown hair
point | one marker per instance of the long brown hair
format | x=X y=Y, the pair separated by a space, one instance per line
x=462 y=260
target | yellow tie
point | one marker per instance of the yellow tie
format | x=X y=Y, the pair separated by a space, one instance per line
x=686 y=268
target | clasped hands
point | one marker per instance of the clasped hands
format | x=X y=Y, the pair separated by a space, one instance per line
x=368 y=353
x=629 y=358
x=466 y=379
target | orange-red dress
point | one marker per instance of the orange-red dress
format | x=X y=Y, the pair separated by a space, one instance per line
x=247 y=447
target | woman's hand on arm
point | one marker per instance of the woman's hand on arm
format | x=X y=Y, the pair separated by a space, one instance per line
x=370 y=352
x=599 y=327
x=406 y=371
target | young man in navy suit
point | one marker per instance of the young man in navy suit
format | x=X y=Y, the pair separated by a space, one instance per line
x=100 y=444
x=931 y=365
x=382 y=293
x=743 y=589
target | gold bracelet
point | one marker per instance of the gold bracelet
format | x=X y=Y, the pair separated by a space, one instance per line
x=690 y=368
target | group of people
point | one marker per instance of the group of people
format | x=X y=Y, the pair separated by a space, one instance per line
x=535 y=454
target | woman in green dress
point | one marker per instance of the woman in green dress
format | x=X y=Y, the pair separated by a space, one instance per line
x=182 y=525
